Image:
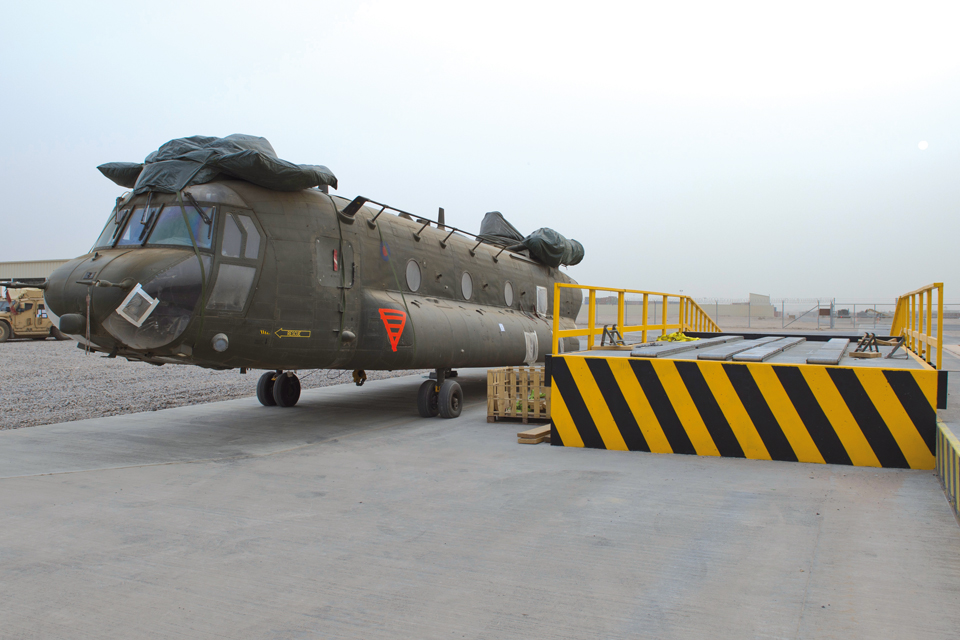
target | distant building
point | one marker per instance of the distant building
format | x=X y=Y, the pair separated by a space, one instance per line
x=757 y=306
x=26 y=269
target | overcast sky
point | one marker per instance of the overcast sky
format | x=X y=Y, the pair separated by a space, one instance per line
x=716 y=148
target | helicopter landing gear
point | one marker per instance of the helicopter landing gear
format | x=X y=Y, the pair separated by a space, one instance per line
x=265 y=389
x=428 y=399
x=451 y=399
x=286 y=389
x=440 y=396
x=276 y=388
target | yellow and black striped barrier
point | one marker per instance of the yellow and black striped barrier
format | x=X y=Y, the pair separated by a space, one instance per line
x=863 y=416
x=948 y=465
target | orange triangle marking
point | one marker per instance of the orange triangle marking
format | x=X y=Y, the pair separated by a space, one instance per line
x=393 y=321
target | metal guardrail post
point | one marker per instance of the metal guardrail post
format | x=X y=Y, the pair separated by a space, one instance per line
x=920 y=324
x=555 y=336
x=663 y=316
x=913 y=322
x=620 y=312
x=591 y=318
x=646 y=300
x=940 y=306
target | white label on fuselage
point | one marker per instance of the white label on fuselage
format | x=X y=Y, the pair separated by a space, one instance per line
x=501 y=328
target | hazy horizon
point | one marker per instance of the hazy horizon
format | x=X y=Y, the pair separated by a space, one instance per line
x=718 y=150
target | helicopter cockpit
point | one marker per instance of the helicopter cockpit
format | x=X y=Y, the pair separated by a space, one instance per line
x=147 y=224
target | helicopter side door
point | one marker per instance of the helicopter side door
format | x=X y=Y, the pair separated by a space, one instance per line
x=337 y=272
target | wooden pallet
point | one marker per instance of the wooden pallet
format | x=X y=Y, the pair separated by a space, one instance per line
x=514 y=393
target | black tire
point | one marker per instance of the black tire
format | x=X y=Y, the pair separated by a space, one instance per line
x=4 y=332
x=265 y=389
x=450 y=400
x=428 y=399
x=58 y=335
x=286 y=390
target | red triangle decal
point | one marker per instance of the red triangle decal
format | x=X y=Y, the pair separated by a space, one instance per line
x=393 y=321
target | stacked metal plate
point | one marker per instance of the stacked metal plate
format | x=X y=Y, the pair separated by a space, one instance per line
x=767 y=351
x=665 y=349
x=727 y=351
x=830 y=353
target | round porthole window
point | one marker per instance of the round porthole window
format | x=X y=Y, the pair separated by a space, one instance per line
x=413 y=275
x=466 y=285
x=508 y=294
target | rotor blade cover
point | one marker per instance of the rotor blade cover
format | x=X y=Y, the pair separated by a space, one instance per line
x=496 y=230
x=124 y=174
x=183 y=162
x=552 y=248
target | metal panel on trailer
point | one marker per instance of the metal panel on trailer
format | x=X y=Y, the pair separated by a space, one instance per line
x=729 y=350
x=767 y=351
x=665 y=349
x=830 y=353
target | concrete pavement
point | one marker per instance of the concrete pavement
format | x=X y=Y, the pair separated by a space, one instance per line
x=349 y=516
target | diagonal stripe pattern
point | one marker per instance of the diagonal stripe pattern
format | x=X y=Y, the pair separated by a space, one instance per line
x=801 y=413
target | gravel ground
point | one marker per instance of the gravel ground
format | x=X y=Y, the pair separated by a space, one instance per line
x=46 y=382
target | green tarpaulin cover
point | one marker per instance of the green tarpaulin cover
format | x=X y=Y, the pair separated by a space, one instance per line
x=544 y=245
x=200 y=159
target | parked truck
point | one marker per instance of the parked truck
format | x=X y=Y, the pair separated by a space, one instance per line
x=25 y=316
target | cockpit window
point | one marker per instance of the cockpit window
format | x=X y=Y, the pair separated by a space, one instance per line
x=232 y=238
x=109 y=233
x=240 y=232
x=138 y=226
x=171 y=228
x=252 y=247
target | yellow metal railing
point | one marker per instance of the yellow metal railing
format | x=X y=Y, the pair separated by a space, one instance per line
x=913 y=319
x=691 y=316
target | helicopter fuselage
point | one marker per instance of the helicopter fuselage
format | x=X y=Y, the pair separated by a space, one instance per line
x=231 y=275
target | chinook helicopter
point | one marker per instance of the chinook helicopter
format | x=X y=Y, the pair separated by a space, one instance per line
x=224 y=256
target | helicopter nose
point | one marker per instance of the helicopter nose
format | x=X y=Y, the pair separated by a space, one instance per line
x=141 y=300
x=66 y=293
